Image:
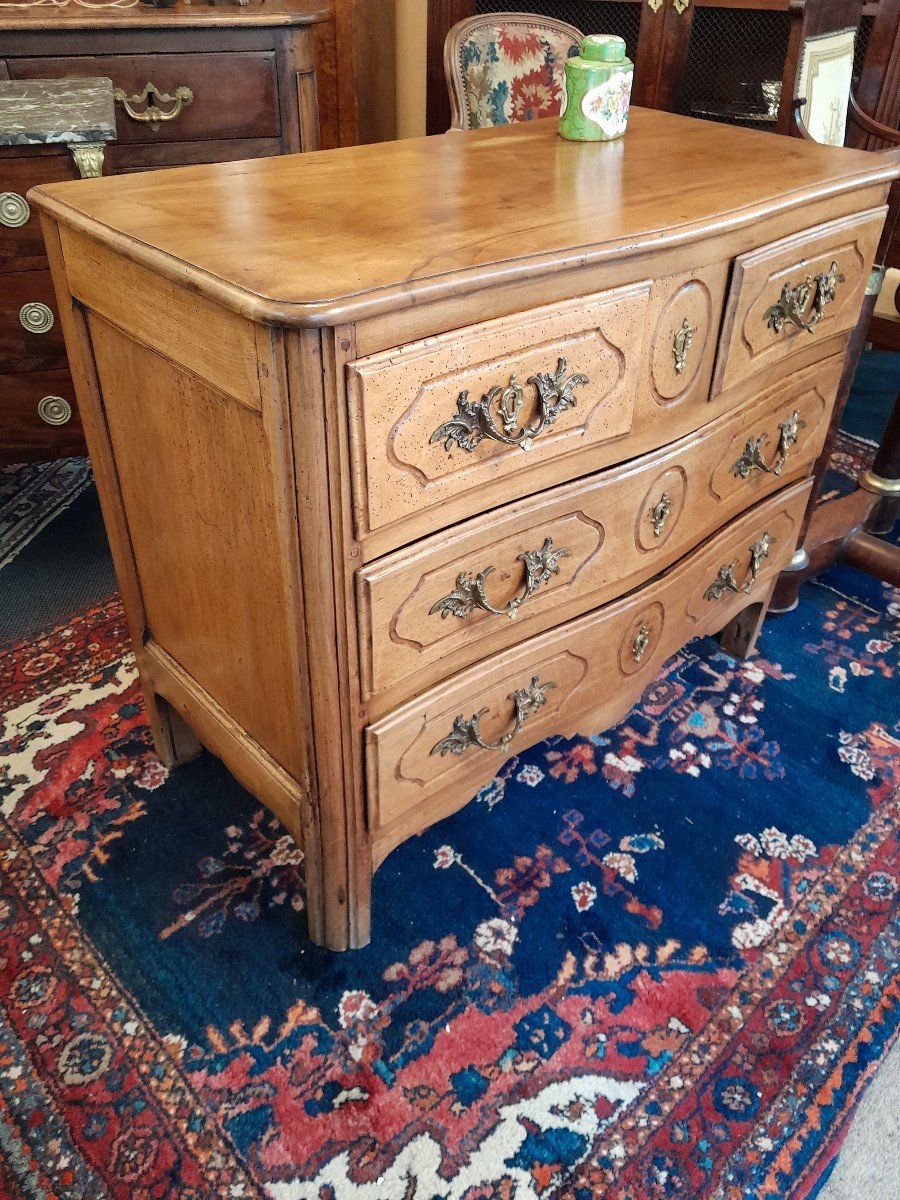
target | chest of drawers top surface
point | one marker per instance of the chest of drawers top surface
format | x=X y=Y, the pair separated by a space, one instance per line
x=322 y=238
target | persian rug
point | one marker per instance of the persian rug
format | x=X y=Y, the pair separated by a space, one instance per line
x=655 y=962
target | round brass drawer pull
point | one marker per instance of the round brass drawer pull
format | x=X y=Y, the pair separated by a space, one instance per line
x=54 y=410
x=36 y=317
x=14 y=210
x=465 y=733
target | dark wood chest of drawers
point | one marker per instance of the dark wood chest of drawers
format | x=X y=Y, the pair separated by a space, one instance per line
x=262 y=81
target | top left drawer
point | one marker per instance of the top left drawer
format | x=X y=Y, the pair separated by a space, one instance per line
x=233 y=95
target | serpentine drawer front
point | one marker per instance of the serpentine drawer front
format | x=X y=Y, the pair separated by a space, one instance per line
x=809 y=285
x=442 y=603
x=443 y=746
x=460 y=414
x=412 y=455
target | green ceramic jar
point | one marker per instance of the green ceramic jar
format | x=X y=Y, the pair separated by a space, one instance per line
x=597 y=91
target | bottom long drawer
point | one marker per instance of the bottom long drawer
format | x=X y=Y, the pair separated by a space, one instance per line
x=429 y=757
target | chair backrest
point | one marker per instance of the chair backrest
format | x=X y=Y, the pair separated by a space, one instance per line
x=819 y=66
x=506 y=67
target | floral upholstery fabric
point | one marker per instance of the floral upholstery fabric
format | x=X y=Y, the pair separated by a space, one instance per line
x=513 y=72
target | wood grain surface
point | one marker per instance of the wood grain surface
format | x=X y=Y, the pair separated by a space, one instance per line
x=339 y=235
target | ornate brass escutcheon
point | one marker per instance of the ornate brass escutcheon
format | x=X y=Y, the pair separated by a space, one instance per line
x=469 y=593
x=88 y=158
x=684 y=339
x=680 y=6
x=474 y=421
x=752 y=458
x=152 y=114
x=464 y=734
x=791 y=308
x=640 y=643
x=654 y=5
x=659 y=512
x=725 y=580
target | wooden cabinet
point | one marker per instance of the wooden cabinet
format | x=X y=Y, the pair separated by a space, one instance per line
x=242 y=83
x=401 y=482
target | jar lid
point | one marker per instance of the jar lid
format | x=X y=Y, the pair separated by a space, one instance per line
x=603 y=47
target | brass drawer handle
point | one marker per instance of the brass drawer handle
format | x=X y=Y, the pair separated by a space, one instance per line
x=791 y=307
x=469 y=594
x=14 y=210
x=684 y=339
x=473 y=422
x=725 y=581
x=36 y=317
x=465 y=733
x=54 y=410
x=752 y=459
x=152 y=114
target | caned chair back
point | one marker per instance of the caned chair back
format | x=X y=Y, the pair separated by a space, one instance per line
x=506 y=67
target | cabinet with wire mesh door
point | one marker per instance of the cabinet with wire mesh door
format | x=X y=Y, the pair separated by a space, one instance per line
x=720 y=60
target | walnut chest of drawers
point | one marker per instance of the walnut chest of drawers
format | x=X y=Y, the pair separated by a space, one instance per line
x=225 y=83
x=413 y=454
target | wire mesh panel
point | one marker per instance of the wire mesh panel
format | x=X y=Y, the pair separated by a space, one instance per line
x=859 y=52
x=590 y=16
x=734 y=66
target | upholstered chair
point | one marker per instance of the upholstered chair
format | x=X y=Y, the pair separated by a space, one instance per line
x=506 y=67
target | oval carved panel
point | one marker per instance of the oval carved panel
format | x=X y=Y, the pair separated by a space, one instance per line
x=660 y=509
x=678 y=346
x=641 y=638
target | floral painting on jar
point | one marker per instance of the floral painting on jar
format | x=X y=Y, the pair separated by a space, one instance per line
x=607 y=104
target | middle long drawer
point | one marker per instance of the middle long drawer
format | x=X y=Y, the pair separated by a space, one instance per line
x=432 y=608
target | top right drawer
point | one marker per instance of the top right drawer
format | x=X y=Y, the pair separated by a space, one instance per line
x=808 y=285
